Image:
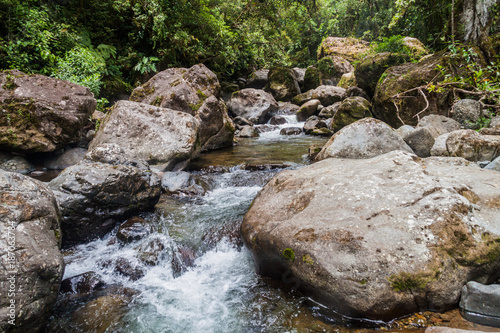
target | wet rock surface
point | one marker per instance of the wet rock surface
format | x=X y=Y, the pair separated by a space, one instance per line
x=399 y=235
x=104 y=188
x=481 y=303
x=82 y=283
x=32 y=265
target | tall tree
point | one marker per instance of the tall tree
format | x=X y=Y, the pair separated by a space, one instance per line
x=476 y=19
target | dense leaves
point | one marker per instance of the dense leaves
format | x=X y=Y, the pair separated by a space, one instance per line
x=111 y=45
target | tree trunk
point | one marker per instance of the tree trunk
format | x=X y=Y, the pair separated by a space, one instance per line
x=476 y=19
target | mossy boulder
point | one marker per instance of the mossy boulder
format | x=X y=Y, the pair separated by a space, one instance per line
x=195 y=91
x=308 y=109
x=348 y=80
x=40 y=113
x=327 y=71
x=347 y=48
x=350 y=110
x=415 y=47
x=379 y=238
x=283 y=83
x=403 y=78
x=371 y=68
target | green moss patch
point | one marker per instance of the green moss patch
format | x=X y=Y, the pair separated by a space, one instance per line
x=288 y=254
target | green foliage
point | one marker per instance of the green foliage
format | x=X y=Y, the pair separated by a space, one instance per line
x=33 y=41
x=146 y=65
x=82 y=66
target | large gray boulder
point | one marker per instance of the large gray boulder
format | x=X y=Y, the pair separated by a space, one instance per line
x=160 y=136
x=365 y=138
x=253 y=104
x=195 y=91
x=481 y=303
x=438 y=125
x=40 y=113
x=327 y=95
x=378 y=238
x=32 y=265
x=258 y=79
x=106 y=187
x=472 y=146
x=467 y=112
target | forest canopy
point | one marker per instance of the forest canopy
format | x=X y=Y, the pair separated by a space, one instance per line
x=110 y=45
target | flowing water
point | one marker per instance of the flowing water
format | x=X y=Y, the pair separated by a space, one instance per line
x=191 y=273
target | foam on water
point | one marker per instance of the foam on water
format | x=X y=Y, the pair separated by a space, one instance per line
x=221 y=292
x=276 y=136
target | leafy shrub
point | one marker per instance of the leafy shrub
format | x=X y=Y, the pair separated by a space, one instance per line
x=82 y=66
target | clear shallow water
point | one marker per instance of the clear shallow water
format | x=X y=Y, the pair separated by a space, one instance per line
x=216 y=289
x=270 y=148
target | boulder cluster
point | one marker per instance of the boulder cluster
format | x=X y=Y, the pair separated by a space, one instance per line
x=400 y=210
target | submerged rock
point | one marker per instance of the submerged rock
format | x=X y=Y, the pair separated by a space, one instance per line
x=32 y=265
x=381 y=238
x=106 y=187
x=40 y=113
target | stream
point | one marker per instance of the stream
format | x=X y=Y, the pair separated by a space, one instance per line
x=191 y=273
